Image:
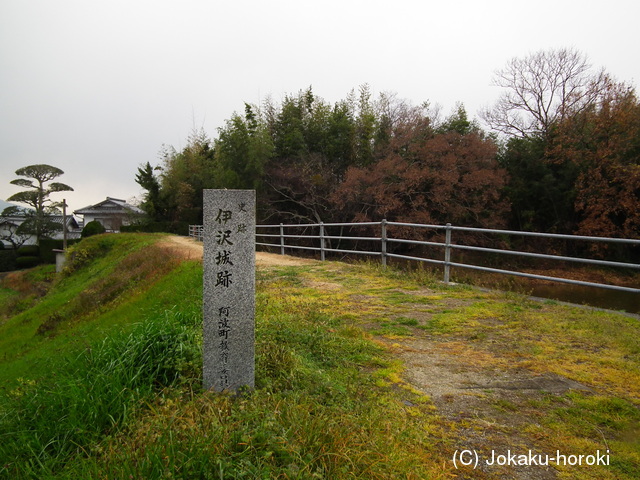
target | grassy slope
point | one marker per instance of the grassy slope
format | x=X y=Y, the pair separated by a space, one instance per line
x=330 y=401
x=112 y=282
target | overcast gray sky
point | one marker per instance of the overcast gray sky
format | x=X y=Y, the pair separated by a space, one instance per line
x=97 y=87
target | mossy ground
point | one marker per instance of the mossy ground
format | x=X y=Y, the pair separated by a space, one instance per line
x=513 y=373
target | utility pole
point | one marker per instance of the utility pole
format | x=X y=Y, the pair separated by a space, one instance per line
x=64 y=224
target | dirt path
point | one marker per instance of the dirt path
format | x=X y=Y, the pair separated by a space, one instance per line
x=189 y=248
x=485 y=401
x=488 y=407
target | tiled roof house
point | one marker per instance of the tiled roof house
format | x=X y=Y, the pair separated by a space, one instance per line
x=9 y=223
x=112 y=213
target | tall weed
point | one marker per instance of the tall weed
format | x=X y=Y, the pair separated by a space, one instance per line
x=43 y=424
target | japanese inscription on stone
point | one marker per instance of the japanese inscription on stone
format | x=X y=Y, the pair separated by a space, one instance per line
x=229 y=289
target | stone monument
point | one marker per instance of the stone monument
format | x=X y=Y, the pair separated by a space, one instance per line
x=229 y=290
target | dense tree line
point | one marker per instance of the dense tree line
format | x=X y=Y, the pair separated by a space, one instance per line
x=564 y=157
x=358 y=159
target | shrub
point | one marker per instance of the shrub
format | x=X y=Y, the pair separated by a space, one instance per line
x=48 y=245
x=27 y=261
x=92 y=228
x=85 y=251
x=29 y=251
x=7 y=260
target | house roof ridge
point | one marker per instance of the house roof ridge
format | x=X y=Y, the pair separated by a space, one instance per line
x=117 y=201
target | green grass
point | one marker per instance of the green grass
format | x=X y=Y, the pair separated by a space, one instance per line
x=111 y=389
x=128 y=279
x=93 y=394
x=119 y=410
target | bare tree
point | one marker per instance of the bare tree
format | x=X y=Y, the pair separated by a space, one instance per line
x=541 y=89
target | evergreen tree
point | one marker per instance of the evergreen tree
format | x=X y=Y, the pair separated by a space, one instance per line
x=39 y=217
x=151 y=204
x=184 y=175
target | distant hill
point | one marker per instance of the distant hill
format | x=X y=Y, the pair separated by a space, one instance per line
x=4 y=205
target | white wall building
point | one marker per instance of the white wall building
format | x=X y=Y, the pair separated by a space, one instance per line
x=9 y=224
x=112 y=213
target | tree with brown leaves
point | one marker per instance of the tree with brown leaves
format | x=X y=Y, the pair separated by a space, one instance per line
x=604 y=142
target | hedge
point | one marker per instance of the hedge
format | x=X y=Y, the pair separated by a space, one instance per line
x=27 y=261
x=47 y=247
x=29 y=251
x=8 y=260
